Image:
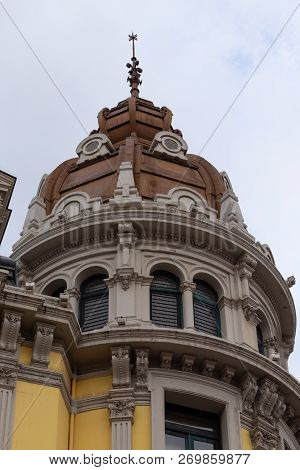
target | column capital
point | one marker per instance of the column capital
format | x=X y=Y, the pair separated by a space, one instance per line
x=187 y=286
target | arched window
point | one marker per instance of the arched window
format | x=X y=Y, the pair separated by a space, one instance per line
x=260 y=340
x=93 y=305
x=206 y=311
x=55 y=288
x=166 y=307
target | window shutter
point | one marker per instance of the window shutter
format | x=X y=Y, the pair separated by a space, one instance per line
x=93 y=304
x=260 y=340
x=206 y=311
x=165 y=300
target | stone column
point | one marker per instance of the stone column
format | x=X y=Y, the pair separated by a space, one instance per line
x=74 y=296
x=8 y=375
x=187 y=289
x=287 y=348
x=121 y=408
x=121 y=400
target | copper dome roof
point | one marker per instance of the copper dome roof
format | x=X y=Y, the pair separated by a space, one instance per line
x=131 y=127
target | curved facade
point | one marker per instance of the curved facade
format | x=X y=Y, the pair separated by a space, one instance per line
x=146 y=316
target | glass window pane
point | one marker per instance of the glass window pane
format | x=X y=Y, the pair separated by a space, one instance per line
x=175 y=442
x=201 y=445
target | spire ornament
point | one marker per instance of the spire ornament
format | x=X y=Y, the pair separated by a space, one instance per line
x=135 y=71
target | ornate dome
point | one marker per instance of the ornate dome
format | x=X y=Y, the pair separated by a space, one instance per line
x=134 y=131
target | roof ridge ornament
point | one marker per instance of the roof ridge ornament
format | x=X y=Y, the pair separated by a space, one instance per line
x=135 y=72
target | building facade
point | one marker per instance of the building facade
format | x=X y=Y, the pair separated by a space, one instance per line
x=145 y=315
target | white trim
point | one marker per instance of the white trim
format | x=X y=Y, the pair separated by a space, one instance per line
x=162 y=380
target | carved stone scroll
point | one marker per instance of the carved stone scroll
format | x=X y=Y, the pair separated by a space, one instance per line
x=42 y=344
x=142 y=363
x=121 y=366
x=10 y=329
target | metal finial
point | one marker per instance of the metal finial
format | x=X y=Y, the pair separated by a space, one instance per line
x=134 y=71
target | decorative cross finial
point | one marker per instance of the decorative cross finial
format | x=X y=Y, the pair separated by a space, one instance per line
x=135 y=72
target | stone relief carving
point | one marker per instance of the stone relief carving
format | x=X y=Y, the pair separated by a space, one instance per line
x=8 y=376
x=250 y=310
x=266 y=398
x=11 y=324
x=121 y=366
x=208 y=368
x=263 y=440
x=187 y=363
x=227 y=374
x=142 y=364
x=166 y=360
x=185 y=285
x=249 y=389
x=42 y=344
x=124 y=276
x=279 y=408
x=121 y=409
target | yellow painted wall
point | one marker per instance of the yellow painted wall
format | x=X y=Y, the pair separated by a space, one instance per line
x=246 y=440
x=93 y=386
x=25 y=355
x=141 y=429
x=41 y=419
x=92 y=430
x=57 y=364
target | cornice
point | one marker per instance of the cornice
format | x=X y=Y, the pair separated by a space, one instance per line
x=219 y=236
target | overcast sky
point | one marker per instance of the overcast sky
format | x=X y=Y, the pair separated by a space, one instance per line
x=197 y=56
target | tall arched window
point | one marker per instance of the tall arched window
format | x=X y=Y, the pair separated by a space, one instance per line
x=166 y=309
x=206 y=310
x=93 y=305
x=260 y=340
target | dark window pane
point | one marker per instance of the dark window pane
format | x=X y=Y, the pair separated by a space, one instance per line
x=165 y=300
x=175 y=442
x=206 y=311
x=202 y=445
x=93 y=303
x=260 y=340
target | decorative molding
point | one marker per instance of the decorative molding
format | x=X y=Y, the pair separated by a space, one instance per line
x=126 y=239
x=249 y=390
x=267 y=396
x=166 y=360
x=291 y=281
x=42 y=344
x=289 y=413
x=288 y=343
x=227 y=374
x=187 y=286
x=187 y=363
x=124 y=276
x=120 y=366
x=279 y=408
x=246 y=265
x=250 y=307
x=121 y=409
x=264 y=440
x=8 y=376
x=208 y=368
x=142 y=364
x=11 y=325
